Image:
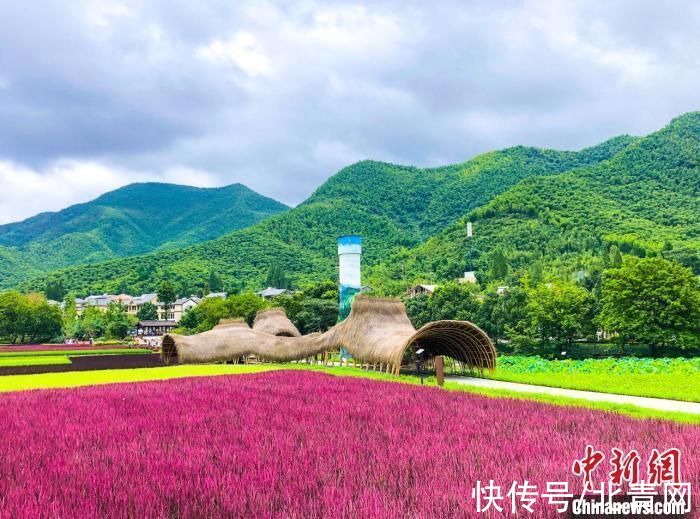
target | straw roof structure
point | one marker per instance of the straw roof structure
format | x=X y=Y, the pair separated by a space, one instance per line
x=379 y=331
x=376 y=331
x=232 y=339
x=275 y=322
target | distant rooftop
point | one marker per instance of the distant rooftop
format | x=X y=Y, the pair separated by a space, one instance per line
x=272 y=292
x=216 y=294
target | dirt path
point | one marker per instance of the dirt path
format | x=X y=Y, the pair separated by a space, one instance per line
x=660 y=404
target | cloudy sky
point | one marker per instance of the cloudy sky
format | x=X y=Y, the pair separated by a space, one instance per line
x=95 y=94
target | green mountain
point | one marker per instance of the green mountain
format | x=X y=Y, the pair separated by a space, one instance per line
x=132 y=220
x=393 y=207
x=644 y=200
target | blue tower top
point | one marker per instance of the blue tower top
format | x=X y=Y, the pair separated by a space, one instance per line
x=350 y=239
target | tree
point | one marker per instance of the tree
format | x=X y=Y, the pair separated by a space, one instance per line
x=560 y=311
x=13 y=312
x=70 y=316
x=315 y=309
x=418 y=310
x=28 y=318
x=245 y=305
x=277 y=278
x=615 y=257
x=166 y=296
x=47 y=321
x=455 y=301
x=653 y=301
x=324 y=290
x=148 y=312
x=504 y=316
x=498 y=268
x=117 y=321
x=316 y=315
x=209 y=312
x=216 y=284
x=54 y=289
x=91 y=323
x=190 y=320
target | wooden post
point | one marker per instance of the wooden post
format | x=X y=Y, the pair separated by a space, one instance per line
x=440 y=370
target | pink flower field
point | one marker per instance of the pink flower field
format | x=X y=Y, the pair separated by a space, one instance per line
x=294 y=444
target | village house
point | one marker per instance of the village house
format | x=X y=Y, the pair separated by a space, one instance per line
x=177 y=309
x=420 y=290
x=133 y=304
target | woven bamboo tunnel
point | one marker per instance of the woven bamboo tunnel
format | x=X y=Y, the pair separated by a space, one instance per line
x=377 y=331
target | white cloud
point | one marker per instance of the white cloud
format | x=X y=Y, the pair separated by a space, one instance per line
x=280 y=95
x=242 y=50
x=26 y=192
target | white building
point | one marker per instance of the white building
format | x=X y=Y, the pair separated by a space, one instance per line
x=272 y=292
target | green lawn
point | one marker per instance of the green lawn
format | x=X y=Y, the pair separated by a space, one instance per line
x=676 y=379
x=45 y=360
x=73 y=353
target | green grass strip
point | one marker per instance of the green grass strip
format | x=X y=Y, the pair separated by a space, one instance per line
x=674 y=379
x=11 y=362
x=73 y=353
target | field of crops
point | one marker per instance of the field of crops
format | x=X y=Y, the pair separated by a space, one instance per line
x=43 y=360
x=73 y=353
x=677 y=379
x=61 y=360
x=293 y=444
x=14 y=348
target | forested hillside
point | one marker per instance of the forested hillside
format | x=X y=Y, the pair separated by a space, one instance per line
x=644 y=201
x=392 y=207
x=132 y=220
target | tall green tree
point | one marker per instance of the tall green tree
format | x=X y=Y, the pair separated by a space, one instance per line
x=148 y=312
x=117 y=321
x=54 y=289
x=504 y=315
x=615 y=257
x=28 y=318
x=560 y=311
x=166 y=296
x=498 y=267
x=13 y=315
x=316 y=315
x=455 y=301
x=216 y=283
x=653 y=301
x=277 y=278
x=245 y=305
x=418 y=310
x=70 y=316
x=91 y=324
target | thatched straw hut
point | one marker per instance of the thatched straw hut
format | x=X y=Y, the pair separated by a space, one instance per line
x=377 y=331
x=275 y=322
x=233 y=339
x=236 y=322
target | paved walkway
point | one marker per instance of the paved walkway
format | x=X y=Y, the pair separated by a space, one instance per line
x=660 y=404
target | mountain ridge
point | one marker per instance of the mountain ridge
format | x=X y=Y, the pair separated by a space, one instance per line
x=392 y=206
x=134 y=219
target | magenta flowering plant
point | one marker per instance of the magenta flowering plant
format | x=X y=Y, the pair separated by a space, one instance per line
x=293 y=444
